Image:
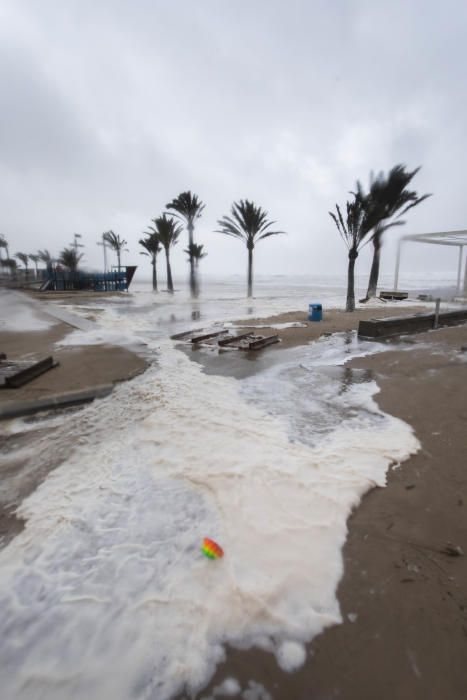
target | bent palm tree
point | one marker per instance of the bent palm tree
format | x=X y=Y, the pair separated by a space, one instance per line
x=387 y=199
x=70 y=258
x=188 y=207
x=46 y=258
x=35 y=259
x=353 y=232
x=249 y=224
x=24 y=259
x=152 y=247
x=116 y=243
x=195 y=252
x=167 y=231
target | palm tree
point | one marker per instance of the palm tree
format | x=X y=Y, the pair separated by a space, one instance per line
x=188 y=207
x=387 y=199
x=249 y=224
x=10 y=264
x=116 y=243
x=46 y=258
x=167 y=231
x=353 y=232
x=70 y=258
x=4 y=244
x=152 y=247
x=195 y=252
x=24 y=259
x=35 y=259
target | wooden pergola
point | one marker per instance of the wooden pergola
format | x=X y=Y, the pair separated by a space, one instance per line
x=451 y=238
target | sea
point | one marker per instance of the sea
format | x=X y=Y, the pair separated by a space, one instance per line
x=106 y=592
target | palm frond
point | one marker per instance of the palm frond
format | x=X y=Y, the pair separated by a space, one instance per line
x=114 y=241
x=352 y=230
x=389 y=198
x=24 y=257
x=151 y=243
x=186 y=206
x=167 y=230
x=247 y=222
x=70 y=258
x=44 y=256
x=195 y=251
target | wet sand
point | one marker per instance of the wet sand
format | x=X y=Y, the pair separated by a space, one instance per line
x=403 y=598
x=80 y=368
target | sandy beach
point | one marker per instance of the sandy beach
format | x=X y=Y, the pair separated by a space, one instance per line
x=403 y=595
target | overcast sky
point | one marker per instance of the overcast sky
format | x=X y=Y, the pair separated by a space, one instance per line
x=110 y=108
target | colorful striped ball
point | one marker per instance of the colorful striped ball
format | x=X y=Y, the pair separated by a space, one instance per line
x=211 y=549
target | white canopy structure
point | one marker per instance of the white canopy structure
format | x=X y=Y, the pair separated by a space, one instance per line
x=452 y=238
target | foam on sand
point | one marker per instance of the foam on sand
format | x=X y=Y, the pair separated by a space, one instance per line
x=106 y=592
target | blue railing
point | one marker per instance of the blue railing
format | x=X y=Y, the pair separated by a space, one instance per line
x=61 y=280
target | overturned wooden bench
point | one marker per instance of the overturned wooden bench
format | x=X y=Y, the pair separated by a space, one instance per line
x=16 y=373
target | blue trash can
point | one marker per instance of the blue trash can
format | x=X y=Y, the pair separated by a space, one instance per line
x=315 y=312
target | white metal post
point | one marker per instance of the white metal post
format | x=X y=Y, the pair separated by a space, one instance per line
x=459 y=269
x=398 y=260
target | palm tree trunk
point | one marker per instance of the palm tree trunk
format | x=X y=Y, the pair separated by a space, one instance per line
x=250 y=272
x=170 y=286
x=118 y=259
x=193 y=282
x=350 y=305
x=154 y=274
x=374 y=272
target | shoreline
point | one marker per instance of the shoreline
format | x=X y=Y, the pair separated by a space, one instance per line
x=403 y=601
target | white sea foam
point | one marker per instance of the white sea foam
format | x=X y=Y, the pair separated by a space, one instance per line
x=290 y=655
x=277 y=326
x=19 y=314
x=229 y=688
x=106 y=593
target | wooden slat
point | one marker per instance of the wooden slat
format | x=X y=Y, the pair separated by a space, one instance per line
x=232 y=339
x=263 y=342
x=206 y=336
x=185 y=334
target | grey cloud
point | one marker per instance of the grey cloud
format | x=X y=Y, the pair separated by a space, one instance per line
x=112 y=108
